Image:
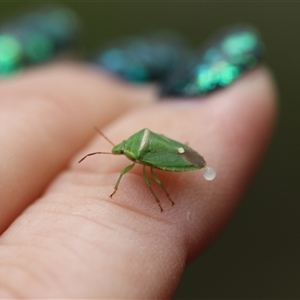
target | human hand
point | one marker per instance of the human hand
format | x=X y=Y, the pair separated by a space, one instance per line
x=73 y=240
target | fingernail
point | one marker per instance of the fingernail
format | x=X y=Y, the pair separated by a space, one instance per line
x=36 y=37
x=219 y=63
x=143 y=59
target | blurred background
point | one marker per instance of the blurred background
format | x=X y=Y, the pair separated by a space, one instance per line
x=257 y=256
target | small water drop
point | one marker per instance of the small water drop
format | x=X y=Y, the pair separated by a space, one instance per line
x=209 y=173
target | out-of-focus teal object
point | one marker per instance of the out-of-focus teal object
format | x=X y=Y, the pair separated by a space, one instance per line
x=143 y=59
x=37 y=37
x=167 y=60
x=219 y=63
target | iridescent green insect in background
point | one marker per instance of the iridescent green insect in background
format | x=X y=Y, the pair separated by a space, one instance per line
x=219 y=62
x=156 y=152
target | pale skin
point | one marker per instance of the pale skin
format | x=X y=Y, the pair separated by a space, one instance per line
x=72 y=240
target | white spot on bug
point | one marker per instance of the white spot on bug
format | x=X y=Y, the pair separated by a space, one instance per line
x=180 y=150
x=144 y=139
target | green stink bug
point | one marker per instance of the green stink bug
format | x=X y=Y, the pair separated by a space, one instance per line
x=157 y=152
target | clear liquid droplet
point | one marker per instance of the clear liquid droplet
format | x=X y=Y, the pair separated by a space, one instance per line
x=209 y=173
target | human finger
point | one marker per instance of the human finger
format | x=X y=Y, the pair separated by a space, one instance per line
x=46 y=116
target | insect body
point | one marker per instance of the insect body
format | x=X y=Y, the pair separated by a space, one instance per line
x=156 y=152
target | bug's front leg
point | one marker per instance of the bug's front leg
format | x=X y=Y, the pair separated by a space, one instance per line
x=146 y=179
x=124 y=171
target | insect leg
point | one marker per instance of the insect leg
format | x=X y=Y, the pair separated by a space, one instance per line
x=146 y=179
x=158 y=181
x=124 y=171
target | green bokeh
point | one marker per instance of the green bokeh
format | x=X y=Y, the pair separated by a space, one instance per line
x=10 y=54
x=38 y=48
x=258 y=254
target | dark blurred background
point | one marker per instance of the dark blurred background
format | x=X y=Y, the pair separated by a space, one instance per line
x=257 y=256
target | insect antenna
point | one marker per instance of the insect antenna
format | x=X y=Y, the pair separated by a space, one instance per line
x=93 y=153
x=101 y=133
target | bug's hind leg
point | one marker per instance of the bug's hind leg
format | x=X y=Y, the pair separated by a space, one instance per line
x=124 y=171
x=158 y=181
x=146 y=179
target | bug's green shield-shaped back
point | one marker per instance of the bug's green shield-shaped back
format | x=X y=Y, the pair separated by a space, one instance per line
x=167 y=155
x=161 y=152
